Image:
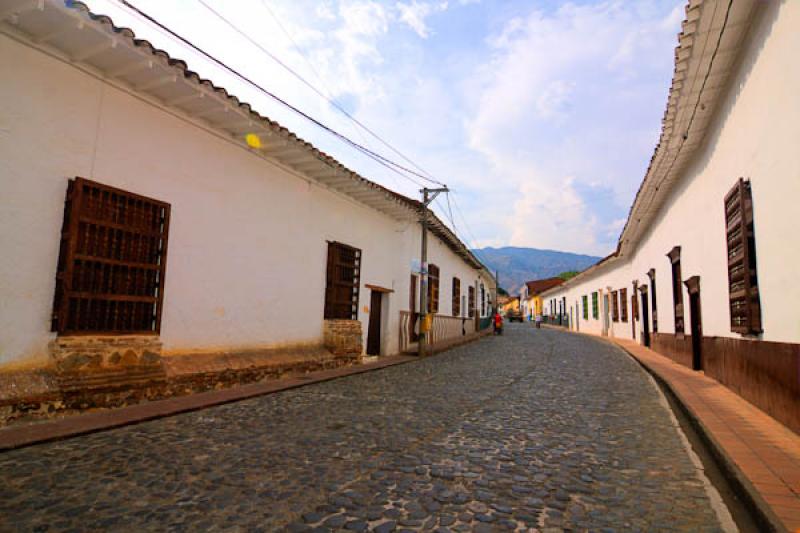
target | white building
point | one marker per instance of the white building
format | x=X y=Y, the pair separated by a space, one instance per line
x=706 y=268
x=182 y=240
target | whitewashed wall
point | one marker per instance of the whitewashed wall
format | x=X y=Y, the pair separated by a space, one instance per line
x=247 y=244
x=755 y=134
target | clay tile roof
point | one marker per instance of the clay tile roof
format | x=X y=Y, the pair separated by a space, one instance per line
x=540 y=285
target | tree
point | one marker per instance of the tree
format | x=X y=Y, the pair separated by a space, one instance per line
x=568 y=274
x=501 y=291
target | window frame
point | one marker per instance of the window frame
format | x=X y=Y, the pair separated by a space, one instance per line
x=623 y=305
x=433 y=288
x=585 y=302
x=456 y=297
x=113 y=257
x=614 y=306
x=653 y=302
x=330 y=310
x=674 y=256
x=595 y=305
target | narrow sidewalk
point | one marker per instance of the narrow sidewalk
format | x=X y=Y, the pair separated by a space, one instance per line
x=71 y=426
x=764 y=454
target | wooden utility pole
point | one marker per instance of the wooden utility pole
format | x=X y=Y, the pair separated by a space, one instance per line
x=428 y=195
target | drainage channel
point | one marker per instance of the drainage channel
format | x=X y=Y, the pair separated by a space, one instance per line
x=745 y=519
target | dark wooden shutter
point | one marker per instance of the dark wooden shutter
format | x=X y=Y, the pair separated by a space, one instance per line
x=652 y=275
x=111 y=263
x=677 y=287
x=745 y=303
x=623 y=303
x=456 y=297
x=343 y=278
x=614 y=307
x=433 y=288
x=471 y=301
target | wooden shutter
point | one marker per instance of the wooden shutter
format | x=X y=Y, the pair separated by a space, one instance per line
x=745 y=303
x=614 y=307
x=111 y=262
x=471 y=301
x=456 y=297
x=595 y=310
x=343 y=278
x=433 y=288
x=623 y=303
x=585 y=307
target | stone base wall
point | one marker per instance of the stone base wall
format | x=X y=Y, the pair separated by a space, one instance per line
x=343 y=337
x=108 y=372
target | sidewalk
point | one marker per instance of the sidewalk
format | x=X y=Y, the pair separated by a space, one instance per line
x=763 y=454
x=34 y=433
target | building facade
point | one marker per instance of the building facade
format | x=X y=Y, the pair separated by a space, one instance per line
x=705 y=271
x=531 y=294
x=141 y=233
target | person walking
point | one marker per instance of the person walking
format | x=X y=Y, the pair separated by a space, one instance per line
x=538 y=320
x=498 y=324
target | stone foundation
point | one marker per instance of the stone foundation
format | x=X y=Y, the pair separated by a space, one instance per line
x=343 y=337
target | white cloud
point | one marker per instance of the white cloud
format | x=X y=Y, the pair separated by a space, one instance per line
x=559 y=108
x=414 y=14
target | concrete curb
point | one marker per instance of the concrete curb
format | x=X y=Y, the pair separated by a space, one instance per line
x=763 y=514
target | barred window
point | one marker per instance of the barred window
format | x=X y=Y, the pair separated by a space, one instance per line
x=585 y=307
x=677 y=287
x=456 y=299
x=623 y=304
x=744 y=300
x=342 y=280
x=614 y=307
x=595 y=311
x=111 y=262
x=433 y=288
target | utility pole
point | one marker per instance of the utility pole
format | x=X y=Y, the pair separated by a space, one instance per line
x=428 y=195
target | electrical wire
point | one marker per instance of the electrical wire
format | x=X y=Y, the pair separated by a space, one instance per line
x=366 y=151
x=314 y=89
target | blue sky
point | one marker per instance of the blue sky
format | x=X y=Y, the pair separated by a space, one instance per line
x=541 y=115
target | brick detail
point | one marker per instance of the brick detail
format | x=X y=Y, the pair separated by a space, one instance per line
x=343 y=337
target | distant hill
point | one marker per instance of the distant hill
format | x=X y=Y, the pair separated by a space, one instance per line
x=518 y=265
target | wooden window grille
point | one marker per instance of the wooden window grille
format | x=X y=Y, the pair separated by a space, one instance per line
x=585 y=307
x=111 y=262
x=471 y=301
x=343 y=278
x=623 y=304
x=652 y=275
x=634 y=301
x=614 y=307
x=456 y=297
x=595 y=310
x=744 y=299
x=677 y=287
x=433 y=288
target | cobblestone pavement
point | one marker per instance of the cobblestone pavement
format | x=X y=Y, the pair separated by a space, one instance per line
x=534 y=429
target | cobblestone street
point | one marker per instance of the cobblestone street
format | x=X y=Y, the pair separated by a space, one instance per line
x=534 y=429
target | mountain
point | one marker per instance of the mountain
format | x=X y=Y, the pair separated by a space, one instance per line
x=518 y=265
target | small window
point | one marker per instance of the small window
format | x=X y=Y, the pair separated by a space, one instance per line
x=595 y=311
x=623 y=304
x=614 y=307
x=585 y=307
x=456 y=297
x=111 y=262
x=471 y=301
x=744 y=300
x=433 y=288
x=677 y=288
x=652 y=275
x=342 y=282
x=635 y=302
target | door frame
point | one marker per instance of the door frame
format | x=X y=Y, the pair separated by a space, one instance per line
x=645 y=306
x=695 y=321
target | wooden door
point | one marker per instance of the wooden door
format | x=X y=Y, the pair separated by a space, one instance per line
x=374 y=330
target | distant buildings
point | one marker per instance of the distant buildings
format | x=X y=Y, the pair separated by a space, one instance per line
x=706 y=269
x=145 y=241
x=530 y=295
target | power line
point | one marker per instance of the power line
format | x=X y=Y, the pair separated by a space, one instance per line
x=313 y=88
x=373 y=155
